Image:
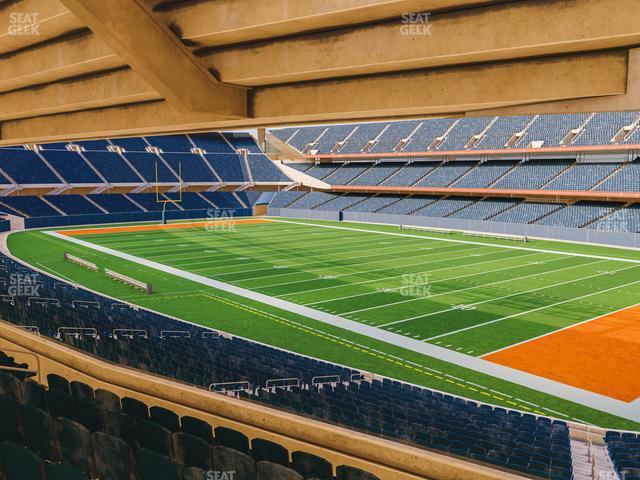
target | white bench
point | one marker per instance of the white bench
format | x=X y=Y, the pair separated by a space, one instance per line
x=80 y=261
x=128 y=280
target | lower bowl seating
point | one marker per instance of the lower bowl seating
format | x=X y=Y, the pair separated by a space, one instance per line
x=396 y=411
x=71 y=432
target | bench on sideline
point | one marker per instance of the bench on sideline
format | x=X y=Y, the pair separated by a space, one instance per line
x=467 y=233
x=80 y=261
x=129 y=281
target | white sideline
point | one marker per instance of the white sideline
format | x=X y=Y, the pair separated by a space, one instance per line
x=359 y=272
x=532 y=310
x=493 y=299
x=445 y=279
x=577 y=395
x=562 y=329
x=395 y=234
x=376 y=257
x=301 y=292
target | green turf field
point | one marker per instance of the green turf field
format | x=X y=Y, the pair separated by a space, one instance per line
x=467 y=294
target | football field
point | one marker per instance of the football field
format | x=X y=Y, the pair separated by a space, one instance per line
x=542 y=308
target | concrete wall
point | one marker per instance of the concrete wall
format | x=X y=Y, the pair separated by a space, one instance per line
x=306 y=214
x=619 y=239
x=66 y=220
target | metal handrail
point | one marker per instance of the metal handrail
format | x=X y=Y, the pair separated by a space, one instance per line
x=163 y=332
x=129 y=332
x=295 y=382
x=85 y=303
x=325 y=379
x=30 y=328
x=37 y=300
x=79 y=331
x=224 y=384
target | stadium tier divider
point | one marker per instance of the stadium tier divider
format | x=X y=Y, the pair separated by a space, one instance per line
x=103 y=218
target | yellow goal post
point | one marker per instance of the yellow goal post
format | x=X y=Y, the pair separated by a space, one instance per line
x=164 y=201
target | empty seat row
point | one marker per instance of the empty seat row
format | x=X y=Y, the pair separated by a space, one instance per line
x=218 y=159
x=103 y=436
x=476 y=133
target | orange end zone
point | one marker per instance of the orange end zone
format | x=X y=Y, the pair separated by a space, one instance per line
x=599 y=355
x=169 y=226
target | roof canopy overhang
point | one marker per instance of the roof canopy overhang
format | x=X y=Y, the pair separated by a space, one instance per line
x=79 y=69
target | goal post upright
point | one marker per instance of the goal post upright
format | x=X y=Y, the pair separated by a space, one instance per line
x=165 y=201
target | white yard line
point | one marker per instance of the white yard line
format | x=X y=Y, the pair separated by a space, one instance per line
x=226 y=238
x=493 y=299
x=440 y=251
x=557 y=252
x=445 y=279
x=479 y=325
x=553 y=332
x=473 y=287
x=242 y=251
x=291 y=294
x=270 y=254
x=202 y=235
x=577 y=395
x=292 y=255
x=117 y=240
x=360 y=272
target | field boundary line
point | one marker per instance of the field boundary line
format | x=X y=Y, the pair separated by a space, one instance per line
x=513 y=247
x=292 y=256
x=439 y=280
x=493 y=299
x=360 y=272
x=534 y=382
x=479 y=286
x=568 y=327
x=454 y=332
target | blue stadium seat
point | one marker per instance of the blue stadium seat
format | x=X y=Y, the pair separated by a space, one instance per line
x=73 y=204
x=72 y=167
x=25 y=167
x=112 y=167
x=114 y=202
x=29 y=205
